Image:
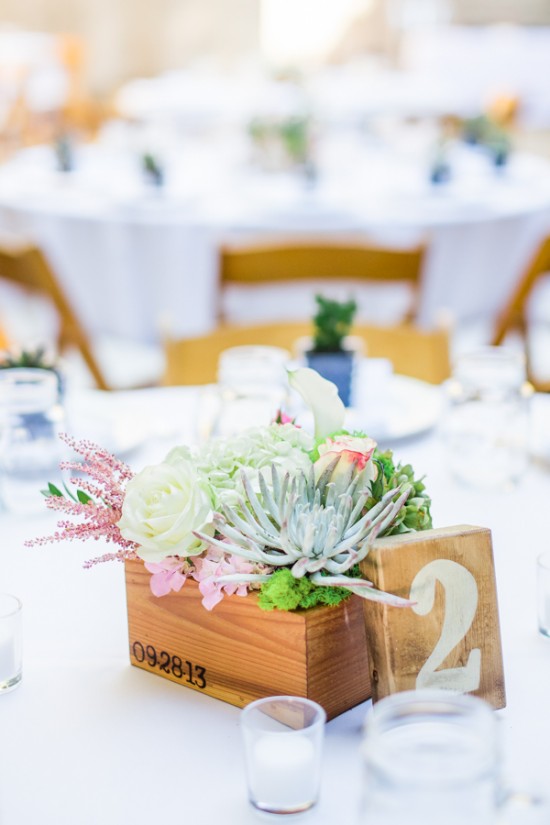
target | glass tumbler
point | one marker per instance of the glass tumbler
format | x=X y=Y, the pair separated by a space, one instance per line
x=430 y=757
x=10 y=642
x=31 y=418
x=252 y=383
x=543 y=593
x=433 y=757
x=486 y=423
x=283 y=737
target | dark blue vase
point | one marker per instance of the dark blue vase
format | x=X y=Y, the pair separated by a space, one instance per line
x=336 y=367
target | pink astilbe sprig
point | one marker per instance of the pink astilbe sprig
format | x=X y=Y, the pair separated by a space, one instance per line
x=97 y=517
x=109 y=473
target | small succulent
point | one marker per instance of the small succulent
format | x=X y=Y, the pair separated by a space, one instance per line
x=32 y=359
x=332 y=323
x=152 y=169
x=309 y=526
x=26 y=358
x=64 y=153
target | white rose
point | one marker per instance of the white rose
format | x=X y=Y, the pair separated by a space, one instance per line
x=163 y=505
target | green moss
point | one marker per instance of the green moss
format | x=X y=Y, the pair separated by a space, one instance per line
x=284 y=592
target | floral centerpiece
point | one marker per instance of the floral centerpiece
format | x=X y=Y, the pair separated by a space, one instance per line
x=273 y=509
x=284 y=143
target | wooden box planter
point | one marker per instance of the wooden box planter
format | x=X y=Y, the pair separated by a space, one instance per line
x=238 y=652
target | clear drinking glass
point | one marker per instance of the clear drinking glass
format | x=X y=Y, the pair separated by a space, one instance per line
x=433 y=757
x=283 y=738
x=486 y=424
x=31 y=418
x=543 y=593
x=430 y=757
x=10 y=642
x=252 y=383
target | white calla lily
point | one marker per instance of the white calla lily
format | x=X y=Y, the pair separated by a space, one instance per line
x=322 y=398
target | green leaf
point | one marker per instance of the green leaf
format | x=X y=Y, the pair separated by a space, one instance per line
x=83 y=497
x=69 y=492
x=53 y=490
x=377 y=485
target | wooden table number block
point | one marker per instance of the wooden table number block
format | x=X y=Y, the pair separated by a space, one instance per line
x=450 y=638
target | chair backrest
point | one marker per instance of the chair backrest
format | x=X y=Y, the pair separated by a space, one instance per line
x=513 y=314
x=28 y=268
x=276 y=263
x=417 y=353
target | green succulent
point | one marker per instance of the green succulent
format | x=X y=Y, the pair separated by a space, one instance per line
x=308 y=526
x=331 y=323
x=415 y=514
x=27 y=359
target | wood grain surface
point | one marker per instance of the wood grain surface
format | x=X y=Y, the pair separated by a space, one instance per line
x=238 y=652
x=450 y=639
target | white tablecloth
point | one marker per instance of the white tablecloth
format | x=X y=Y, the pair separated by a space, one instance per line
x=134 y=260
x=89 y=739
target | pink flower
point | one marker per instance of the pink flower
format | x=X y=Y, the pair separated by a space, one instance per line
x=216 y=563
x=167 y=575
x=98 y=517
x=355 y=454
x=283 y=418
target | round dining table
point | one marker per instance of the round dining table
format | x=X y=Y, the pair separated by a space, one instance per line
x=137 y=260
x=88 y=738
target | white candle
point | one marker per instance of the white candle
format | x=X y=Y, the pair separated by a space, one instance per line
x=284 y=771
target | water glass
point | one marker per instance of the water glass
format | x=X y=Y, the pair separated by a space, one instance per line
x=430 y=757
x=252 y=383
x=433 y=757
x=10 y=642
x=283 y=737
x=31 y=418
x=487 y=420
x=543 y=593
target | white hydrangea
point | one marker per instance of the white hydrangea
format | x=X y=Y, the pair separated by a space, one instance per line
x=221 y=460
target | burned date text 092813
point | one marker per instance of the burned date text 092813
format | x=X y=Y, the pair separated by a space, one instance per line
x=168 y=663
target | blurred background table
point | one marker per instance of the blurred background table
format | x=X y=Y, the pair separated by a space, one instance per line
x=134 y=258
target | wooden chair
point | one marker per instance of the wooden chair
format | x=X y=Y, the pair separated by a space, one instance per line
x=276 y=263
x=28 y=268
x=513 y=316
x=80 y=111
x=413 y=352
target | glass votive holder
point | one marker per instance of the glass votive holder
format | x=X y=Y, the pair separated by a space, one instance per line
x=433 y=757
x=31 y=419
x=487 y=418
x=543 y=593
x=283 y=738
x=10 y=642
x=252 y=385
x=430 y=756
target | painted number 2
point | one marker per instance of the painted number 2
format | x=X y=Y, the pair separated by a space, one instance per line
x=461 y=597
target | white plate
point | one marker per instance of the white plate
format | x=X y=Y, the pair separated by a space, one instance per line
x=407 y=407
